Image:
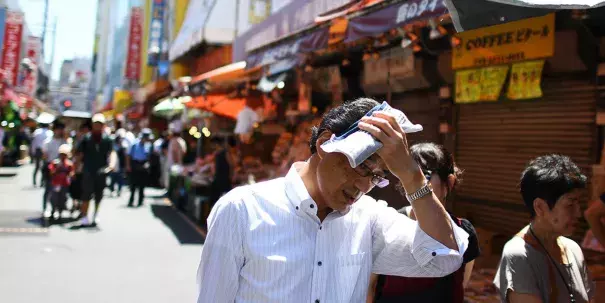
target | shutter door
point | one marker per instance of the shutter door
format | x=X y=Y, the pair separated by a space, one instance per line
x=421 y=107
x=495 y=141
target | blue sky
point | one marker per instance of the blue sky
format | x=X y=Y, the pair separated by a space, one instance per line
x=75 y=27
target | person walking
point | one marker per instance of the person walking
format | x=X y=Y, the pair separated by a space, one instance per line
x=440 y=170
x=138 y=164
x=120 y=147
x=39 y=137
x=315 y=236
x=177 y=147
x=50 y=152
x=97 y=158
x=540 y=264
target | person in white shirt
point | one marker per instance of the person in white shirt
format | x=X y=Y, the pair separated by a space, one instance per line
x=177 y=148
x=40 y=136
x=50 y=152
x=315 y=236
x=244 y=125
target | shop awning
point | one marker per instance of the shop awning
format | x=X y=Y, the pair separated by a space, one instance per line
x=219 y=105
x=154 y=90
x=379 y=19
x=472 y=14
x=230 y=71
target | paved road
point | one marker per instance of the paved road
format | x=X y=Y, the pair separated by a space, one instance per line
x=148 y=254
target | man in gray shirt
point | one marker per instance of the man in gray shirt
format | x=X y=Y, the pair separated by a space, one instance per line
x=540 y=264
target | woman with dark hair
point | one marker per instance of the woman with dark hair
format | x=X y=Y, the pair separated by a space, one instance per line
x=439 y=168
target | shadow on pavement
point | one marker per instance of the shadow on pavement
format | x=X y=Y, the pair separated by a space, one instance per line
x=48 y=222
x=181 y=229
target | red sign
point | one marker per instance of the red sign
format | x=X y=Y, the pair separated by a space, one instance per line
x=135 y=42
x=12 y=46
x=33 y=49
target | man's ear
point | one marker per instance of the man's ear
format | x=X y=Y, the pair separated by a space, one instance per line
x=323 y=137
x=541 y=207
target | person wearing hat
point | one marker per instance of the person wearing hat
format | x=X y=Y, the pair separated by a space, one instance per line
x=39 y=137
x=61 y=170
x=96 y=159
x=315 y=235
x=50 y=152
x=137 y=165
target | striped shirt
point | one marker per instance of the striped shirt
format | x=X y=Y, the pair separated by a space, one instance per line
x=265 y=243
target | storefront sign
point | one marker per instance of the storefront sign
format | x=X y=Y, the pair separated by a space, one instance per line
x=135 y=38
x=525 y=80
x=12 y=46
x=121 y=100
x=315 y=40
x=501 y=44
x=295 y=16
x=484 y=84
x=33 y=51
x=259 y=11
x=2 y=26
x=393 y=16
x=156 y=32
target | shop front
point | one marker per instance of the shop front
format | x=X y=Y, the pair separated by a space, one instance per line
x=522 y=90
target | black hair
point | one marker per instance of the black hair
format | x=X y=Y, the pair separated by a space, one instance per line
x=58 y=125
x=231 y=141
x=436 y=158
x=86 y=125
x=340 y=118
x=549 y=177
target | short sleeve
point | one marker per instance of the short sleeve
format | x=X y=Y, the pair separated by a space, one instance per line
x=515 y=273
x=473 y=251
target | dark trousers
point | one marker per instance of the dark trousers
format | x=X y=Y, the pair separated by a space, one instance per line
x=139 y=178
x=116 y=178
x=38 y=166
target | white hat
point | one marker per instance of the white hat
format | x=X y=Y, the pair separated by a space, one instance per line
x=358 y=145
x=98 y=118
x=64 y=149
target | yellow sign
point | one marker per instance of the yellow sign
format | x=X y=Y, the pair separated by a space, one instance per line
x=484 y=84
x=121 y=100
x=525 y=80
x=505 y=43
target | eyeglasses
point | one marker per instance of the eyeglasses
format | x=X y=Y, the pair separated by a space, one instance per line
x=427 y=174
x=364 y=171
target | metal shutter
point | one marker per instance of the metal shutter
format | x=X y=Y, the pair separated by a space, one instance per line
x=496 y=140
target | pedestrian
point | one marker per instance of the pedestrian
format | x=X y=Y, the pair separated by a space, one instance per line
x=223 y=170
x=177 y=147
x=120 y=147
x=315 y=236
x=96 y=155
x=40 y=136
x=440 y=169
x=595 y=216
x=138 y=164
x=50 y=152
x=61 y=170
x=540 y=264
x=75 y=188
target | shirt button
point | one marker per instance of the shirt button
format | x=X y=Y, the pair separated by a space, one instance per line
x=312 y=206
x=319 y=263
x=317 y=301
x=296 y=207
x=320 y=228
x=434 y=254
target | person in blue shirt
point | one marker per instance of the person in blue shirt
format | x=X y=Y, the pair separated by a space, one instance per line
x=137 y=165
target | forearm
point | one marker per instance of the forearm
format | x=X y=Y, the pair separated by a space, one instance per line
x=432 y=217
x=597 y=227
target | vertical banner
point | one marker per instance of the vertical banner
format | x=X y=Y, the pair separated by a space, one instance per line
x=13 y=29
x=2 y=27
x=156 y=32
x=33 y=51
x=259 y=11
x=135 y=38
x=484 y=84
x=525 y=80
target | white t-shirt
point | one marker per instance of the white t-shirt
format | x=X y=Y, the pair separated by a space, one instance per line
x=40 y=136
x=245 y=121
x=51 y=148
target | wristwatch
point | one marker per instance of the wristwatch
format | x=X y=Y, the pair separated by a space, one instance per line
x=425 y=190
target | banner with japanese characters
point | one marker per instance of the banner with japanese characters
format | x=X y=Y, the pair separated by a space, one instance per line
x=33 y=51
x=483 y=84
x=135 y=38
x=525 y=79
x=13 y=31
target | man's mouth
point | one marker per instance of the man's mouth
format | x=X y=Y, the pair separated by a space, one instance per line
x=350 y=198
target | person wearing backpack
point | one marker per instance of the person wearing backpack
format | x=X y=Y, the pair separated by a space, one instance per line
x=439 y=168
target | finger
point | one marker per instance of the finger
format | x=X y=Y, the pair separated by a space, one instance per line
x=383 y=124
x=392 y=120
x=375 y=131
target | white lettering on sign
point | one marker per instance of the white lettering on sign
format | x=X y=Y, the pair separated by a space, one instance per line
x=410 y=11
x=280 y=52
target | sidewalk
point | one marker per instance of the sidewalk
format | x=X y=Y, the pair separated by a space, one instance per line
x=147 y=254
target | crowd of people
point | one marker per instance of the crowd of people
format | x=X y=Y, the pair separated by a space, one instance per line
x=316 y=236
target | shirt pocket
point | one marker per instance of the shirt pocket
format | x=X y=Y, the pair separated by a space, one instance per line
x=349 y=276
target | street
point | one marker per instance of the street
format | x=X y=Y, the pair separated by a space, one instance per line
x=147 y=254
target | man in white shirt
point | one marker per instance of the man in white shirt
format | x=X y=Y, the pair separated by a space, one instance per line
x=50 y=152
x=314 y=236
x=244 y=125
x=40 y=136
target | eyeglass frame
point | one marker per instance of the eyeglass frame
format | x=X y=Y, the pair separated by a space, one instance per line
x=364 y=171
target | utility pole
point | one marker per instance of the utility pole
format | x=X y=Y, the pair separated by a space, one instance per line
x=52 y=50
x=236 y=32
x=45 y=22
